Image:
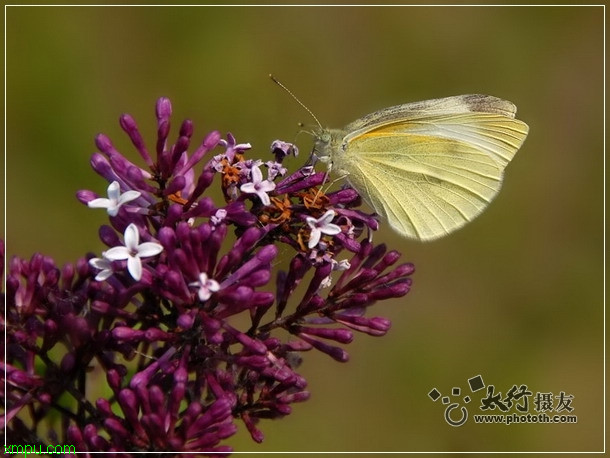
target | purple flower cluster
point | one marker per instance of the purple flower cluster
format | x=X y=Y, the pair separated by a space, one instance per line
x=171 y=334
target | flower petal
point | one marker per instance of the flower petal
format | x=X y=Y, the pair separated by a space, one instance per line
x=103 y=275
x=314 y=237
x=147 y=249
x=129 y=196
x=132 y=237
x=100 y=202
x=114 y=191
x=117 y=253
x=257 y=175
x=134 y=266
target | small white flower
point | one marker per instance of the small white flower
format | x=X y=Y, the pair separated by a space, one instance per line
x=321 y=226
x=115 y=199
x=336 y=266
x=133 y=251
x=258 y=186
x=275 y=169
x=105 y=267
x=341 y=265
x=218 y=217
x=206 y=286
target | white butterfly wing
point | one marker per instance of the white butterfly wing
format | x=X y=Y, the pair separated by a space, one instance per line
x=431 y=167
x=483 y=121
x=423 y=191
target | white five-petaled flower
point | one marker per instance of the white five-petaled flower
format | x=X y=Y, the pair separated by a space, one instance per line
x=133 y=251
x=105 y=267
x=115 y=199
x=258 y=186
x=320 y=226
x=206 y=286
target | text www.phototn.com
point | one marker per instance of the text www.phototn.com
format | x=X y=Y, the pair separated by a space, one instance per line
x=527 y=418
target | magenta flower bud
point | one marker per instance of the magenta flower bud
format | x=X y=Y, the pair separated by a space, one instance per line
x=356 y=300
x=364 y=277
x=349 y=243
x=50 y=334
x=103 y=143
x=203 y=182
x=75 y=437
x=179 y=148
x=156 y=397
x=235 y=256
x=208 y=144
x=117 y=428
x=167 y=238
x=127 y=334
x=255 y=362
x=114 y=379
x=68 y=362
x=343 y=196
x=255 y=433
x=104 y=407
x=101 y=307
x=174 y=282
x=152 y=423
x=388 y=260
x=131 y=129
x=137 y=179
x=376 y=326
x=281 y=373
x=255 y=346
x=155 y=334
x=320 y=274
x=177 y=395
x=338 y=354
x=299 y=181
x=93 y=439
x=236 y=297
x=108 y=236
x=129 y=405
x=258 y=278
x=20 y=378
x=78 y=327
x=294 y=397
x=82 y=267
x=204 y=207
x=86 y=196
x=163 y=109
x=339 y=335
x=143 y=376
x=405 y=269
x=186 y=128
x=218 y=411
x=397 y=289
x=177 y=184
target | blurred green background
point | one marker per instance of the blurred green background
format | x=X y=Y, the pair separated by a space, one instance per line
x=516 y=296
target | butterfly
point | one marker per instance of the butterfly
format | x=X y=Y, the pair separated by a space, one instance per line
x=427 y=167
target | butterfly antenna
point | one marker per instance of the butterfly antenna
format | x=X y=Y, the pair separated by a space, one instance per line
x=296 y=99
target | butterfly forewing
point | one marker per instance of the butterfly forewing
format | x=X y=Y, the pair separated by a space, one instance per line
x=497 y=135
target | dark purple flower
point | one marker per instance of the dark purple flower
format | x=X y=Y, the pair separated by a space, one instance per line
x=161 y=312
